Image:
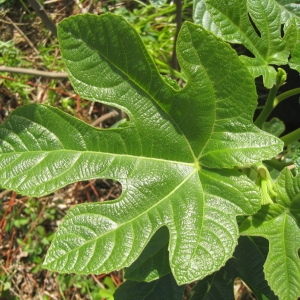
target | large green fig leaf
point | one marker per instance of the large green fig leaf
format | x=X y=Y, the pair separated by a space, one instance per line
x=280 y=224
x=256 y=25
x=175 y=158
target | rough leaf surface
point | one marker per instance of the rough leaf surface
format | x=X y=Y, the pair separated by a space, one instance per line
x=153 y=262
x=202 y=17
x=175 y=158
x=256 y=25
x=289 y=9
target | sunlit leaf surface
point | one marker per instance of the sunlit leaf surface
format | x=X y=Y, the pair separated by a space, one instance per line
x=175 y=160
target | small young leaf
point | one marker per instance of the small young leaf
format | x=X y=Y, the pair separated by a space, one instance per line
x=274 y=126
x=175 y=159
x=256 y=25
x=279 y=223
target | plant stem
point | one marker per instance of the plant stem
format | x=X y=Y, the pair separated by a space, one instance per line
x=174 y=62
x=267 y=108
x=286 y=95
x=277 y=165
x=291 y=137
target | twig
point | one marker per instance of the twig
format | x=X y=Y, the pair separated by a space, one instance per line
x=39 y=9
x=47 y=74
x=4 y=193
x=10 y=289
x=23 y=35
x=101 y=119
x=98 y=282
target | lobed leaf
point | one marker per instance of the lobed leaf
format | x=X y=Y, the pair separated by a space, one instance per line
x=256 y=25
x=175 y=159
x=279 y=223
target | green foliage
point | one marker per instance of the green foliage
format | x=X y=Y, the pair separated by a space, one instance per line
x=257 y=26
x=246 y=263
x=163 y=288
x=289 y=9
x=274 y=126
x=193 y=158
x=157 y=3
x=9 y=54
x=187 y=209
x=279 y=223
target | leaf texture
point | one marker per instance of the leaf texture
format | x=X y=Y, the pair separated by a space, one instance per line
x=202 y=17
x=289 y=9
x=256 y=25
x=175 y=159
x=153 y=262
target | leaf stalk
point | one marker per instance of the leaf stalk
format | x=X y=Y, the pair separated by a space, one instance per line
x=291 y=137
x=286 y=95
x=267 y=108
x=280 y=80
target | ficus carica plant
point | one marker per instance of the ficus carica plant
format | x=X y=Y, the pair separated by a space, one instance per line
x=210 y=192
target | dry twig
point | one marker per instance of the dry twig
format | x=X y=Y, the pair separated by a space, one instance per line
x=105 y=117
x=47 y=74
x=23 y=35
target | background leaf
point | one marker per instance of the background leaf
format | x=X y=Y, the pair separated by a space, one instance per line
x=246 y=263
x=164 y=288
x=289 y=9
x=256 y=25
x=157 y=3
x=202 y=17
x=175 y=159
x=279 y=223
